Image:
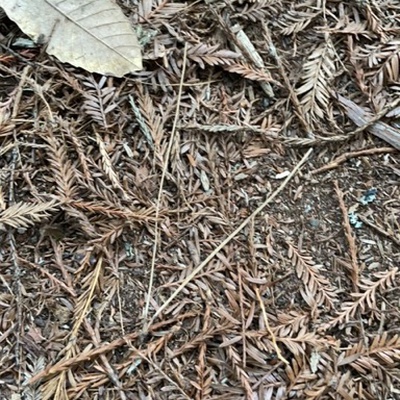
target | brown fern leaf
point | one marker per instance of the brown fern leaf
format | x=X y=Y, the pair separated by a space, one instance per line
x=150 y=122
x=297 y=344
x=108 y=165
x=113 y=211
x=291 y=323
x=198 y=340
x=375 y=18
x=110 y=233
x=64 y=173
x=56 y=387
x=316 y=390
x=80 y=150
x=155 y=11
x=34 y=366
x=250 y=73
x=299 y=373
x=296 y=21
x=107 y=195
x=318 y=72
x=305 y=378
x=204 y=373
x=319 y=291
x=346 y=386
x=354 y=28
x=365 y=298
x=384 y=351
x=210 y=55
x=142 y=124
x=83 y=221
x=387 y=59
x=22 y=215
x=99 y=100
x=257 y=11
x=236 y=361
x=203 y=385
x=6 y=128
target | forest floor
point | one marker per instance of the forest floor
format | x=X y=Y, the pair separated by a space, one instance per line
x=224 y=224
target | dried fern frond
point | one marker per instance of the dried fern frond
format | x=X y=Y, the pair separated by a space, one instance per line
x=204 y=373
x=298 y=373
x=56 y=386
x=65 y=175
x=80 y=150
x=150 y=121
x=99 y=100
x=257 y=11
x=142 y=124
x=353 y=28
x=210 y=55
x=155 y=11
x=108 y=165
x=291 y=323
x=296 y=21
x=250 y=73
x=231 y=129
x=22 y=215
x=236 y=361
x=110 y=233
x=33 y=367
x=384 y=351
x=84 y=223
x=318 y=290
x=6 y=127
x=202 y=337
x=297 y=344
x=318 y=72
x=375 y=18
x=113 y=211
x=364 y=299
x=384 y=62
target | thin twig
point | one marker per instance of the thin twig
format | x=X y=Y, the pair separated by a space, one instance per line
x=16 y=272
x=231 y=236
x=285 y=77
x=352 y=154
x=160 y=192
x=355 y=271
x=273 y=337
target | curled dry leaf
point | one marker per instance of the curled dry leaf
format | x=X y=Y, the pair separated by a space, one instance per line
x=94 y=35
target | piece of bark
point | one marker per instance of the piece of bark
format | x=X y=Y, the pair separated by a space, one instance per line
x=361 y=117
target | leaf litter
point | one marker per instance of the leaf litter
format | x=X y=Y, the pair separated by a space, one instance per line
x=94 y=35
x=147 y=247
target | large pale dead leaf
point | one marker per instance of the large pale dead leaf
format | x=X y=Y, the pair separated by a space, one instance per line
x=91 y=34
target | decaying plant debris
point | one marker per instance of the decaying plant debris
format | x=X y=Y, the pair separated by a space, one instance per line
x=94 y=35
x=115 y=191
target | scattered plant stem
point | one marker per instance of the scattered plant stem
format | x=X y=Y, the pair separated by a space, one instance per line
x=231 y=236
